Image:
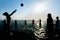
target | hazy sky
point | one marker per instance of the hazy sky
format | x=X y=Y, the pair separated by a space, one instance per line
x=32 y=9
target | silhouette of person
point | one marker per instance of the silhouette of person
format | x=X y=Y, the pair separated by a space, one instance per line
x=33 y=22
x=50 y=26
x=25 y=22
x=15 y=24
x=57 y=24
x=8 y=17
x=25 y=25
x=4 y=26
x=39 y=23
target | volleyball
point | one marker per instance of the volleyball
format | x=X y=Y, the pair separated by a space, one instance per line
x=22 y=4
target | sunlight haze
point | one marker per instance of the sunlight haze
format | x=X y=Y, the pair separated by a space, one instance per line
x=32 y=9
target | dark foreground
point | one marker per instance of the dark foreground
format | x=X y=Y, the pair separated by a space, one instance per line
x=23 y=36
x=17 y=36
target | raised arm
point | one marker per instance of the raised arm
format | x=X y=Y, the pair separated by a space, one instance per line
x=13 y=12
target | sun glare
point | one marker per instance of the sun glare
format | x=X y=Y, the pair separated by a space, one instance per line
x=40 y=7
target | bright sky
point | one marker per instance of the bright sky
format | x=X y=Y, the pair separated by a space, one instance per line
x=32 y=9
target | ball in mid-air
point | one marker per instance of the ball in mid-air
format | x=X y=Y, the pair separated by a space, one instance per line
x=22 y=4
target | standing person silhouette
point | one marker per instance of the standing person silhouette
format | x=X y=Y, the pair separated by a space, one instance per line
x=33 y=22
x=8 y=17
x=15 y=25
x=57 y=25
x=50 y=26
x=4 y=26
x=25 y=22
x=39 y=23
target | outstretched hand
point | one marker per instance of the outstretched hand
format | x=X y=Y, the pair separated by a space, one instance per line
x=13 y=12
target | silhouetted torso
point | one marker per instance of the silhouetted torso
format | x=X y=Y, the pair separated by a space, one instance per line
x=49 y=23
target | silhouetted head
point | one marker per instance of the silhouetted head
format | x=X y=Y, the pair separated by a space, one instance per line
x=39 y=19
x=25 y=20
x=33 y=20
x=5 y=14
x=49 y=15
x=57 y=18
x=15 y=21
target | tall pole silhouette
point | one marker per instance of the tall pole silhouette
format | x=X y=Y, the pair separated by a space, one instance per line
x=8 y=17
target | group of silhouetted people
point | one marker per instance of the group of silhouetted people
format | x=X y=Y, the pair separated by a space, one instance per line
x=50 y=28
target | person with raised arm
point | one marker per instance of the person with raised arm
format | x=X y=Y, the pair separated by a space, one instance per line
x=8 y=17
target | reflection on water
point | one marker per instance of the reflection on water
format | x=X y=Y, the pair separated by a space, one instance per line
x=39 y=32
